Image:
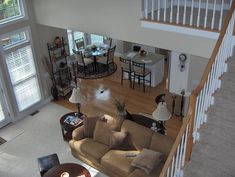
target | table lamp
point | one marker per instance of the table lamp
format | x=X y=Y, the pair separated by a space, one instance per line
x=77 y=98
x=161 y=114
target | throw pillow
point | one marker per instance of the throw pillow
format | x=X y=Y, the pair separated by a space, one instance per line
x=89 y=126
x=147 y=160
x=102 y=132
x=117 y=139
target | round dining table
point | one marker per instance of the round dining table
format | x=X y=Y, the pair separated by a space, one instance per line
x=67 y=170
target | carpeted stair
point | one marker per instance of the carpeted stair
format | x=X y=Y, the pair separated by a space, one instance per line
x=214 y=154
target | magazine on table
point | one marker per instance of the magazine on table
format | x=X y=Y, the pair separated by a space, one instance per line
x=73 y=120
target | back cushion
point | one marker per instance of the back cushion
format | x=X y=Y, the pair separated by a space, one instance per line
x=102 y=133
x=161 y=143
x=138 y=136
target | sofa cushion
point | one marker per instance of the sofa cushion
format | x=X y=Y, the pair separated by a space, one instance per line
x=116 y=161
x=161 y=143
x=102 y=133
x=147 y=160
x=90 y=148
x=117 y=139
x=89 y=126
x=141 y=173
x=139 y=136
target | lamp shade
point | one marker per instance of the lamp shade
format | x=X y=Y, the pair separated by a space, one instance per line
x=161 y=113
x=76 y=96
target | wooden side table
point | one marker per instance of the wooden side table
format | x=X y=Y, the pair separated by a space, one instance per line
x=70 y=168
x=67 y=128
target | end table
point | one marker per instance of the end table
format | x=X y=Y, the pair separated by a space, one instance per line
x=67 y=128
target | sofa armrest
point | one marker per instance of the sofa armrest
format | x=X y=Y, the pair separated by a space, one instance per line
x=78 y=133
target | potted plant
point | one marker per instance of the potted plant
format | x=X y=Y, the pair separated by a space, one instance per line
x=120 y=106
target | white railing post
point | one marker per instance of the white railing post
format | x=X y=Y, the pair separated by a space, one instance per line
x=158 y=10
x=146 y=9
x=165 y=11
x=221 y=14
x=178 y=13
x=185 y=6
x=191 y=16
x=198 y=13
x=213 y=16
x=152 y=14
x=206 y=13
x=171 y=13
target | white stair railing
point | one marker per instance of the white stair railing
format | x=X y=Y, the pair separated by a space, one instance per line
x=177 y=11
x=200 y=100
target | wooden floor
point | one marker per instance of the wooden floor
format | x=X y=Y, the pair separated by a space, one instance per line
x=101 y=93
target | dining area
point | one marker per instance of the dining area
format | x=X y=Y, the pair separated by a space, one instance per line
x=101 y=58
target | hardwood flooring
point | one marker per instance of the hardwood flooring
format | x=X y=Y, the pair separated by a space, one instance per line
x=101 y=93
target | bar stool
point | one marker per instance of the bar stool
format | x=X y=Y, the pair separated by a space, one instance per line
x=126 y=68
x=140 y=72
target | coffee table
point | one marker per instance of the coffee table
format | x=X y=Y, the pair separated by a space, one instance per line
x=74 y=170
x=67 y=128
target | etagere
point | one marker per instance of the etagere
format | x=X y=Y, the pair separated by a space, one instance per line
x=61 y=74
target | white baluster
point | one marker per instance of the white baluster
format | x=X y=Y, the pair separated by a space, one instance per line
x=168 y=172
x=199 y=12
x=165 y=12
x=177 y=160
x=185 y=6
x=213 y=17
x=181 y=152
x=178 y=13
x=158 y=10
x=153 y=9
x=172 y=167
x=146 y=9
x=185 y=146
x=230 y=3
x=221 y=14
x=171 y=13
x=191 y=16
x=206 y=14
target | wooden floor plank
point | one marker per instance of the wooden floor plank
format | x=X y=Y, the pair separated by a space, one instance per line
x=101 y=93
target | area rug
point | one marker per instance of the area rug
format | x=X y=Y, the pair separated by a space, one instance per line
x=101 y=71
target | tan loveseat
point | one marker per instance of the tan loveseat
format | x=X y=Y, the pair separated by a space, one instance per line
x=114 y=163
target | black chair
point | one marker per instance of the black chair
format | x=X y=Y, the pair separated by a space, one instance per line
x=80 y=44
x=136 y=48
x=108 y=41
x=109 y=59
x=126 y=68
x=45 y=163
x=140 y=72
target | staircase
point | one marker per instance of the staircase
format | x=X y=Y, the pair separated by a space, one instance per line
x=214 y=154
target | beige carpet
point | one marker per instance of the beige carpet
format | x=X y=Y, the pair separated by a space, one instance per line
x=37 y=136
x=214 y=155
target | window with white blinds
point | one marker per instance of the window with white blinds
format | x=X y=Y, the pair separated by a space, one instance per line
x=96 y=39
x=2 y=117
x=21 y=68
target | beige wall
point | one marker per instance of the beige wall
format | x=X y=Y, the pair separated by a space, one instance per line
x=118 y=19
x=196 y=67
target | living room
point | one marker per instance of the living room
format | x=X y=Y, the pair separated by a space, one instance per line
x=100 y=94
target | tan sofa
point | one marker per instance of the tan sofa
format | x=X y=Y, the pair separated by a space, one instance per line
x=114 y=163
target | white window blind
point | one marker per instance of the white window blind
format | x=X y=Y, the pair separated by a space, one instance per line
x=96 y=39
x=1 y=113
x=22 y=72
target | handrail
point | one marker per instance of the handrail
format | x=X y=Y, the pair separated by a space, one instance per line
x=189 y=119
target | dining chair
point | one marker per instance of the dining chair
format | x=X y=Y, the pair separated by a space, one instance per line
x=126 y=68
x=140 y=72
x=107 y=60
x=107 y=40
x=45 y=163
x=82 y=61
x=136 y=48
x=80 y=44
